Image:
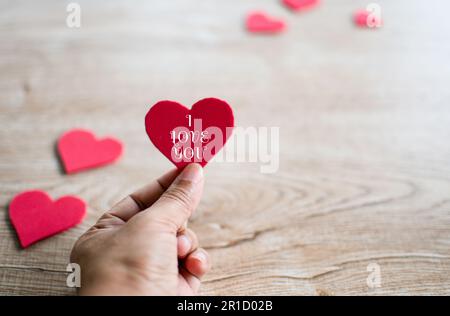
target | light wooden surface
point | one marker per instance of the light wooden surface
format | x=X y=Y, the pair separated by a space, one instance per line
x=365 y=149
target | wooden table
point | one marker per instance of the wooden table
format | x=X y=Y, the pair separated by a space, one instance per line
x=364 y=119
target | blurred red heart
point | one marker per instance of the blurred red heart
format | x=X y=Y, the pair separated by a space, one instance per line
x=367 y=19
x=259 y=22
x=35 y=216
x=80 y=150
x=300 y=5
x=168 y=120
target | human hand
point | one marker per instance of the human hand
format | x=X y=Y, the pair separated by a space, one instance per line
x=142 y=246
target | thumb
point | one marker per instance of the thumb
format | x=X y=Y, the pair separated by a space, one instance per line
x=179 y=201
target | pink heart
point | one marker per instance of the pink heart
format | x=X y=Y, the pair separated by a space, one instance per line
x=35 y=216
x=80 y=150
x=260 y=22
x=301 y=5
x=360 y=18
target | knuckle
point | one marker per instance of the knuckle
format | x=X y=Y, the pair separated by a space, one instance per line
x=180 y=194
x=107 y=220
x=161 y=224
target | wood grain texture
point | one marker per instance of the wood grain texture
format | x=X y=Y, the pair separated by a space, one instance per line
x=364 y=171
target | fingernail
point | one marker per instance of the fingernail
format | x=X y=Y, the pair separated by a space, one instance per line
x=192 y=172
x=200 y=256
x=184 y=244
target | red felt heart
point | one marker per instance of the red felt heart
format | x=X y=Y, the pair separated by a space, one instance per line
x=300 y=5
x=79 y=150
x=259 y=22
x=35 y=216
x=194 y=135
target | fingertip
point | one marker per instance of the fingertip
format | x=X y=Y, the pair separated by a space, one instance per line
x=187 y=242
x=193 y=172
x=198 y=262
x=184 y=245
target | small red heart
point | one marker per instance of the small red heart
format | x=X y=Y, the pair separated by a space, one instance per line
x=35 y=216
x=80 y=150
x=259 y=22
x=198 y=133
x=362 y=18
x=301 y=5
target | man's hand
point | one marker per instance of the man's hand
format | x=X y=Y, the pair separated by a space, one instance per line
x=142 y=246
